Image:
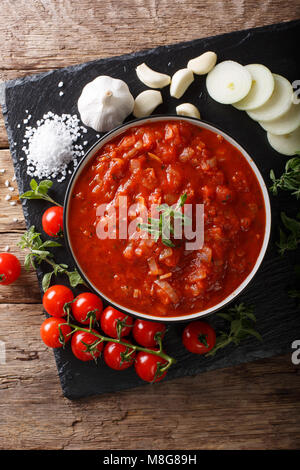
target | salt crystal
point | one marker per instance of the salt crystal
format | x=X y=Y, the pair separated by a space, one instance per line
x=7 y=197
x=11 y=188
x=14 y=178
x=13 y=203
x=18 y=126
x=7 y=184
x=85 y=142
x=2 y=170
x=51 y=145
x=15 y=219
x=61 y=93
x=7 y=248
x=60 y=84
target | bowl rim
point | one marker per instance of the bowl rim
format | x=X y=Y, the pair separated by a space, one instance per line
x=200 y=123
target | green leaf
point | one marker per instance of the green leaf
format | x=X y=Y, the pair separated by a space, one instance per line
x=50 y=243
x=39 y=191
x=241 y=319
x=251 y=331
x=29 y=195
x=44 y=186
x=74 y=278
x=33 y=184
x=289 y=180
x=46 y=280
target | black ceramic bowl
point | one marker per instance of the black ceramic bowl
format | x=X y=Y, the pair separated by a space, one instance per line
x=119 y=130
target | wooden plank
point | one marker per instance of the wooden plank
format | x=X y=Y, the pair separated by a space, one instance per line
x=25 y=289
x=253 y=406
x=38 y=36
x=11 y=216
x=12 y=225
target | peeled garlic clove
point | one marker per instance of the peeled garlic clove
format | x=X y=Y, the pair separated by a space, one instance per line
x=188 y=109
x=151 y=78
x=181 y=80
x=203 y=64
x=146 y=102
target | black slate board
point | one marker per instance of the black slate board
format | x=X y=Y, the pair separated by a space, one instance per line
x=277 y=314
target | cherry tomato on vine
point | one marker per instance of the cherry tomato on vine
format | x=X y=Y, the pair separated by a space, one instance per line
x=52 y=221
x=50 y=332
x=113 y=356
x=144 y=332
x=86 y=305
x=110 y=319
x=199 y=337
x=85 y=346
x=10 y=268
x=147 y=367
x=55 y=298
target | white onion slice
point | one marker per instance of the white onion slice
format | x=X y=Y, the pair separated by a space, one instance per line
x=284 y=124
x=181 y=80
x=261 y=89
x=146 y=102
x=151 y=78
x=228 y=82
x=168 y=289
x=287 y=144
x=278 y=104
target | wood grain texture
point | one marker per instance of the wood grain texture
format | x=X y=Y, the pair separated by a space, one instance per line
x=41 y=35
x=251 y=406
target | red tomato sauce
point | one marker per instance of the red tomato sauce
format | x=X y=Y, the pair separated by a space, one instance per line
x=157 y=163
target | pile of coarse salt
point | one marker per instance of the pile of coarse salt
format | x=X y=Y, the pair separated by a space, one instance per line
x=51 y=145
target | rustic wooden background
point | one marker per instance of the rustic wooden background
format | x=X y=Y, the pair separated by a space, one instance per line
x=251 y=406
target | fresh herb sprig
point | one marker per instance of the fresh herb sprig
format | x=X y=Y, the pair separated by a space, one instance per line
x=241 y=319
x=289 y=180
x=40 y=191
x=289 y=241
x=163 y=227
x=38 y=253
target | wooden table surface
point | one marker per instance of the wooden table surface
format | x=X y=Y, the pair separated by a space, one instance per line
x=252 y=406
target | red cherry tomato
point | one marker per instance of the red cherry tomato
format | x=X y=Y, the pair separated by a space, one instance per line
x=109 y=321
x=55 y=298
x=144 y=332
x=50 y=332
x=52 y=221
x=86 y=304
x=112 y=355
x=10 y=268
x=84 y=346
x=199 y=337
x=146 y=366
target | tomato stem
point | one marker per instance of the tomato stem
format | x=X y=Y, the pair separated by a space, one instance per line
x=170 y=360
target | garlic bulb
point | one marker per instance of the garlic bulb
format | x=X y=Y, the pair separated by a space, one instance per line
x=104 y=103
